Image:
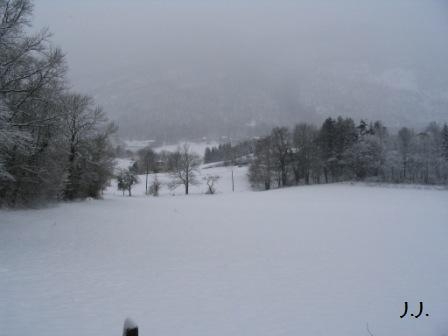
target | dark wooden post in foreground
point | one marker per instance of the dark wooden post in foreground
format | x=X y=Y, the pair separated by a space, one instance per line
x=130 y=328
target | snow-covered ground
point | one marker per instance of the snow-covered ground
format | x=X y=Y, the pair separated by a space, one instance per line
x=319 y=260
x=223 y=185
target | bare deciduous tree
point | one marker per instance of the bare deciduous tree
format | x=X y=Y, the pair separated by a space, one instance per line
x=84 y=122
x=211 y=180
x=405 y=136
x=126 y=179
x=155 y=187
x=31 y=78
x=304 y=152
x=261 y=170
x=281 y=148
x=185 y=166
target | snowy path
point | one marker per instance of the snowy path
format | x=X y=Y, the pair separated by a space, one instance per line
x=321 y=260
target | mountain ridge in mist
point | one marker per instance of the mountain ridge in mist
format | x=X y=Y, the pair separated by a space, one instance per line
x=193 y=68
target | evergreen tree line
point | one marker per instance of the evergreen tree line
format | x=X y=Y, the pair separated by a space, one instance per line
x=222 y=152
x=54 y=144
x=340 y=150
x=229 y=153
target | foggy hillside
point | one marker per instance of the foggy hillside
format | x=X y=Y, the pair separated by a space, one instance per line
x=187 y=69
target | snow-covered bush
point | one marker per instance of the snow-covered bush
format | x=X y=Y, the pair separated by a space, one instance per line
x=211 y=180
x=126 y=179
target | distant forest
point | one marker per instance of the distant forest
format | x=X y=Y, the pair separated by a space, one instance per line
x=341 y=150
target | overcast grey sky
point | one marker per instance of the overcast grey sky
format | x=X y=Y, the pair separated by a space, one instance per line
x=400 y=43
x=98 y=34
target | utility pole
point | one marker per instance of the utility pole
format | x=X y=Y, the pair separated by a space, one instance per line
x=147 y=172
x=232 y=155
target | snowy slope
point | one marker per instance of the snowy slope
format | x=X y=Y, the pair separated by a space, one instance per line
x=223 y=185
x=195 y=147
x=320 y=260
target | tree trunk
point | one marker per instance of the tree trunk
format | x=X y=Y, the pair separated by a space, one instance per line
x=69 y=191
x=284 y=177
x=296 y=175
x=187 y=180
x=404 y=169
x=267 y=185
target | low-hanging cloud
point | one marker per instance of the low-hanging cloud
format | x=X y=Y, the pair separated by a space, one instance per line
x=213 y=67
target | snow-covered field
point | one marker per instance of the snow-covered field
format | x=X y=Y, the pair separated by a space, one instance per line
x=319 y=260
x=223 y=185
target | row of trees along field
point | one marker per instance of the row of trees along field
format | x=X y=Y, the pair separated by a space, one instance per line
x=54 y=144
x=182 y=165
x=340 y=150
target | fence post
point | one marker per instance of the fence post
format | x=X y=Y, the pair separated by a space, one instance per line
x=130 y=328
